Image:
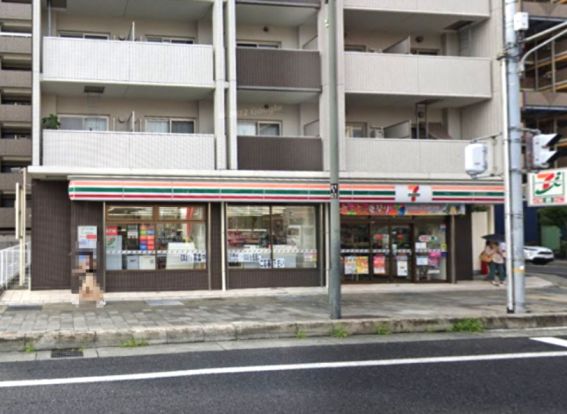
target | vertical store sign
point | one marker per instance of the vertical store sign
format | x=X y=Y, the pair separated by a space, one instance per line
x=547 y=188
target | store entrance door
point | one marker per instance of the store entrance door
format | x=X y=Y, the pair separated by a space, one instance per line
x=401 y=253
x=377 y=251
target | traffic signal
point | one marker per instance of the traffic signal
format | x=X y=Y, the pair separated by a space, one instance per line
x=542 y=152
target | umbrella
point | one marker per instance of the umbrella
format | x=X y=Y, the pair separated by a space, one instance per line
x=495 y=238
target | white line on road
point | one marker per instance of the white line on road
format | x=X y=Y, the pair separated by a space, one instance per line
x=551 y=341
x=277 y=368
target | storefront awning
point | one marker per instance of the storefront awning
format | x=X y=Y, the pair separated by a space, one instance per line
x=280 y=191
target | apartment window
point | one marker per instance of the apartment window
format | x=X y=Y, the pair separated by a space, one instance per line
x=15 y=133
x=258 y=45
x=355 y=130
x=259 y=128
x=83 y=123
x=23 y=65
x=355 y=48
x=8 y=200
x=16 y=28
x=272 y=237
x=156 y=237
x=84 y=35
x=12 y=99
x=13 y=166
x=425 y=52
x=170 y=39
x=170 y=125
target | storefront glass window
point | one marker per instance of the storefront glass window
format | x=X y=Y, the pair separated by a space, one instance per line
x=294 y=237
x=431 y=251
x=155 y=238
x=266 y=237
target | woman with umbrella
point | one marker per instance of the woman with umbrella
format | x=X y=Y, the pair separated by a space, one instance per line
x=494 y=255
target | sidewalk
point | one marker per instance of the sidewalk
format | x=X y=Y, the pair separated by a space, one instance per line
x=48 y=320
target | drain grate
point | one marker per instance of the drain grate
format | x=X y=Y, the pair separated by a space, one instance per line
x=15 y=308
x=66 y=353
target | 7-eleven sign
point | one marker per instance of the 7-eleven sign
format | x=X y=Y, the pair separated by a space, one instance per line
x=414 y=193
x=547 y=188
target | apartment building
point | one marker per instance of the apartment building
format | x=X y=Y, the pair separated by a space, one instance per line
x=184 y=145
x=545 y=79
x=15 y=106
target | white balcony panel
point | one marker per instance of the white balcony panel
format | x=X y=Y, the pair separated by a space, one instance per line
x=138 y=150
x=397 y=74
x=421 y=158
x=112 y=61
x=480 y=8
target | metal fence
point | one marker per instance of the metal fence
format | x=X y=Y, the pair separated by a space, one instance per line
x=9 y=264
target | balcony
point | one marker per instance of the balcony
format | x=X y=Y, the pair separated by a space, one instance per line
x=15 y=113
x=133 y=150
x=472 y=8
x=418 y=75
x=8 y=217
x=277 y=69
x=15 y=79
x=128 y=64
x=280 y=153
x=304 y=3
x=15 y=11
x=407 y=157
x=8 y=181
x=545 y=9
x=19 y=43
x=16 y=148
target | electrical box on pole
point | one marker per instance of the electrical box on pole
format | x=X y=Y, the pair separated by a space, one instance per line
x=542 y=152
x=476 y=159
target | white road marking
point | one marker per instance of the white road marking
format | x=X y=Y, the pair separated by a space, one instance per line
x=552 y=341
x=277 y=368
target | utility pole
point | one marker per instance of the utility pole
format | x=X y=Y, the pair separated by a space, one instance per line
x=334 y=281
x=513 y=175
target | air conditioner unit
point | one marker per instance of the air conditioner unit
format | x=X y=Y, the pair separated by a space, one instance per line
x=376 y=132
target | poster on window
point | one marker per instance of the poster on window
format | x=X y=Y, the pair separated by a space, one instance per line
x=422 y=261
x=86 y=236
x=350 y=265
x=361 y=265
x=379 y=264
x=402 y=266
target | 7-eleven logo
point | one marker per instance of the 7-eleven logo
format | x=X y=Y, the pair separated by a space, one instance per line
x=414 y=193
x=548 y=183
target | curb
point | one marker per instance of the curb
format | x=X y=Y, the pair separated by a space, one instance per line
x=48 y=340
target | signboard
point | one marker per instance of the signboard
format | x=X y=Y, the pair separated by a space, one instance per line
x=547 y=188
x=366 y=209
x=414 y=193
x=86 y=236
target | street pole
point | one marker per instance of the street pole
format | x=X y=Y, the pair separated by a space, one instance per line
x=515 y=216
x=334 y=281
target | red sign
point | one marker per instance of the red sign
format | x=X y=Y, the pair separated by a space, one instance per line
x=112 y=230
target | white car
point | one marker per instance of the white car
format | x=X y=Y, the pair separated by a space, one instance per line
x=538 y=254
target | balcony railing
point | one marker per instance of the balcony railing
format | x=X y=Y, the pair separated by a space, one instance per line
x=136 y=150
x=420 y=158
x=280 y=153
x=417 y=75
x=305 y=3
x=480 y=8
x=15 y=79
x=15 y=11
x=15 y=113
x=278 y=69
x=8 y=181
x=16 y=147
x=15 y=43
x=127 y=62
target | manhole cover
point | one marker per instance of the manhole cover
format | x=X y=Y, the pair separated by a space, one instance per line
x=66 y=353
x=15 y=308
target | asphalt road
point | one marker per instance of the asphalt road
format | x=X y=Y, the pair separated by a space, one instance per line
x=555 y=268
x=401 y=377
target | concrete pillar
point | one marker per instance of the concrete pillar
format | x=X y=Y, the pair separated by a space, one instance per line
x=219 y=107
